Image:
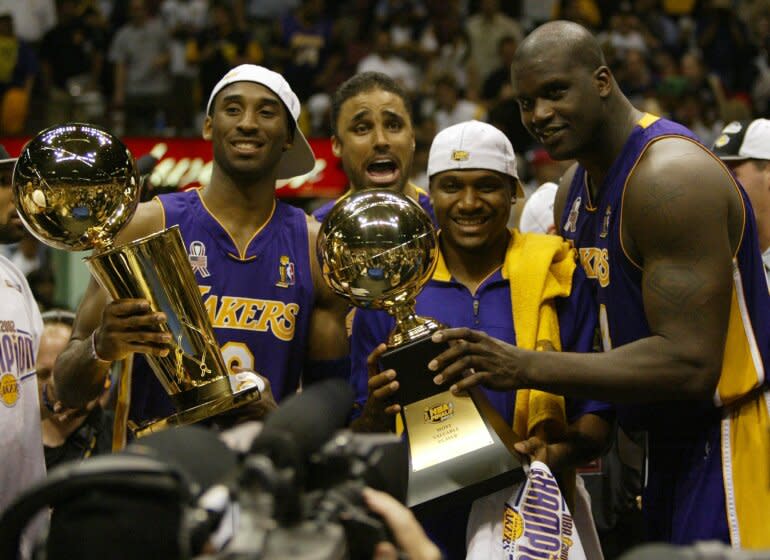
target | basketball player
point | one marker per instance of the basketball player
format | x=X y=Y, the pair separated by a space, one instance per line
x=270 y=309
x=663 y=232
x=20 y=330
x=373 y=135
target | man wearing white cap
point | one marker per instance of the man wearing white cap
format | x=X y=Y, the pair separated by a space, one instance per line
x=745 y=147
x=487 y=279
x=251 y=255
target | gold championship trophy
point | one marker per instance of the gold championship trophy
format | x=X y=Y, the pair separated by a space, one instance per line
x=75 y=187
x=378 y=248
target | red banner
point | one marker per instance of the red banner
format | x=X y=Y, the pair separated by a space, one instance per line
x=186 y=162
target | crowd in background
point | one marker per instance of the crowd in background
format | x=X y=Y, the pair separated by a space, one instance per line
x=146 y=67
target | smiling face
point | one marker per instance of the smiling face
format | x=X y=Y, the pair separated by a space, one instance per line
x=375 y=140
x=472 y=208
x=249 y=130
x=560 y=101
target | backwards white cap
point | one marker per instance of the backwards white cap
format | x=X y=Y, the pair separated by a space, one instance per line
x=298 y=159
x=473 y=145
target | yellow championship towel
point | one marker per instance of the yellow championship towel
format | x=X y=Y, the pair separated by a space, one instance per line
x=539 y=269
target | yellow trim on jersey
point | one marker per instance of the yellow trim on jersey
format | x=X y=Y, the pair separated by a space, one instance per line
x=162 y=211
x=746 y=464
x=240 y=256
x=742 y=367
x=646 y=120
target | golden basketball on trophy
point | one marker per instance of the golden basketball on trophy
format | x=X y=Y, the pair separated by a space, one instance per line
x=75 y=187
x=378 y=248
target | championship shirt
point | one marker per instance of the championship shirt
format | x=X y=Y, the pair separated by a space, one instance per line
x=21 y=437
x=259 y=302
x=693 y=446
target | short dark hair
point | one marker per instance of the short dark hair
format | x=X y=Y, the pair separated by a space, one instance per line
x=363 y=82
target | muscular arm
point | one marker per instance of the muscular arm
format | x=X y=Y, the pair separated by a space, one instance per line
x=681 y=223
x=78 y=377
x=328 y=338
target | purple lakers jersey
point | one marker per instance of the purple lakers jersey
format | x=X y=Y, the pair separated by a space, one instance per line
x=702 y=482
x=594 y=228
x=259 y=302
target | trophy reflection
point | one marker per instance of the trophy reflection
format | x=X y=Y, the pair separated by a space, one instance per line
x=378 y=248
x=75 y=187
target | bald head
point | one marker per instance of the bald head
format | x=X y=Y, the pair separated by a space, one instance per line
x=565 y=37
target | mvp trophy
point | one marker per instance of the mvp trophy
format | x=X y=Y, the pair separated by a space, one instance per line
x=75 y=187
x=378 y=248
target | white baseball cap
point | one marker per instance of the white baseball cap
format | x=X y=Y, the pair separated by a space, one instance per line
x=744 y=140
x=298 y=159
x=537 y=214
x=473 y=145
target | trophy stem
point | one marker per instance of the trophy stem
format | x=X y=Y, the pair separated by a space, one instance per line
x=409 y=325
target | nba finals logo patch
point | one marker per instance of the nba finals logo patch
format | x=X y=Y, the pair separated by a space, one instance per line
x=572 y=218
x=460 y=155
x=198 y=259
x=439 y=413
x=285 y=272
x=9 y=389
x=538 y=524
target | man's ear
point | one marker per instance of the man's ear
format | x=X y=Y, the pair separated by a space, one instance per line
x=603 y=80
x=336 y=146
x=207 y=128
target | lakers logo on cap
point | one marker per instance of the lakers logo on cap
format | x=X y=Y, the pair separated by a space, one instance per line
x=285 y=272
x=198 y=259
x=460 y=155
x=721 y=141
x=9 y=389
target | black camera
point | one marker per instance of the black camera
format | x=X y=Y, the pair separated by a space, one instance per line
x=293 y=492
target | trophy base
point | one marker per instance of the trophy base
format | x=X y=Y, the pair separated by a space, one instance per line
x=202 y=411
x=460 y=448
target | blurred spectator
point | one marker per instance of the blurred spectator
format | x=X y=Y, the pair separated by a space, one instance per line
x=498 y=84
x=451 y=107
x=660 y=30
x=584 y=12
x=31 y=18
x=221 y=46
x=634 y=76
x=27 y=256
x=18 y=67
x=304 y=40
x=624 y=34
x=42 y=282
x=184 y=19
x=71 y=62
x=446 y=50
x=485 y=29
x=76 y=435
x=140 y=52
x=723 y=40
x=382 y=59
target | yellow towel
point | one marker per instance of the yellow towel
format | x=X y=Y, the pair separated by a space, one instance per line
x=539 y=268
